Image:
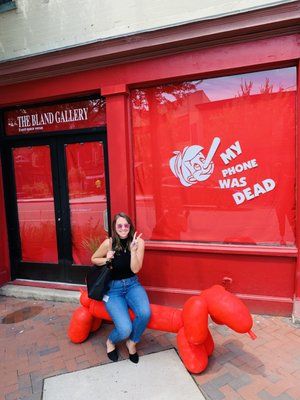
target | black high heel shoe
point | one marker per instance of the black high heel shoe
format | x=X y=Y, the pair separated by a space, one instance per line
x=113 y=355
x=134 y=358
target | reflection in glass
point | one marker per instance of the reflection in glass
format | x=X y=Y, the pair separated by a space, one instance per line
x=35 y=203
x=247 y=192
x=87 y=198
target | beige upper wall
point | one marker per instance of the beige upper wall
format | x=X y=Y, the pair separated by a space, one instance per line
x=38 y=26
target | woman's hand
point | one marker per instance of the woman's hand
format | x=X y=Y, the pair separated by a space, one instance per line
x=137 y=248
x=110 y=255
x=135 y=242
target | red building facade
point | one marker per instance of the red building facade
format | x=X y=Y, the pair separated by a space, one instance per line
x=192 y=130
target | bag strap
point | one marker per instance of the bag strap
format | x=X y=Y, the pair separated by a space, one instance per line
x=109 y=248
x=111 y=243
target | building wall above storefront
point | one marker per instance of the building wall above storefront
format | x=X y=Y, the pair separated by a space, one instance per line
x=280 y=20
x=36 y=27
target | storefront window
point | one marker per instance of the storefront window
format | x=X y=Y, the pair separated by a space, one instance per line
x=87 y=198
x=215 y=159
x=35 y=203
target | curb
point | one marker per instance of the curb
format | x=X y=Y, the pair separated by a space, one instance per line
x=36 y=293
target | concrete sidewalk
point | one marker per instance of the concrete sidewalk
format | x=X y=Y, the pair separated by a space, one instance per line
x=34 y=346
x=159 y=376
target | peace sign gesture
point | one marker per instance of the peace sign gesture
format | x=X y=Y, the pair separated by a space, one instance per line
x=135 y=242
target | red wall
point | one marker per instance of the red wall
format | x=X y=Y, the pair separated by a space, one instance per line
x=213 y=61
x=264 y=282
x=171 y=273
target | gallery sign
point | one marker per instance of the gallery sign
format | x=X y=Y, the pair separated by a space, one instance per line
x=57 y=117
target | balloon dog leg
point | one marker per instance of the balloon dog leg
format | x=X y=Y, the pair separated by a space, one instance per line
x=80 y=325
x=194 y=356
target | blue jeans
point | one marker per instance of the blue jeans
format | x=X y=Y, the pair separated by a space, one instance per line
x=122 y=294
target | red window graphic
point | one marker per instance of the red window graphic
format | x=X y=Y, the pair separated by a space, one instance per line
x=35 y=203
x=87 y=198
x=215 y=159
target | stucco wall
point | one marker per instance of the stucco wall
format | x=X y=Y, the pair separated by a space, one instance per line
x=38 y=26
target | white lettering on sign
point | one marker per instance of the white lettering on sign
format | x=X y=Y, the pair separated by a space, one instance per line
x=235 y=182
x=42 y=119
x=24 y=121
x=48 y=118
x=78 y=114
x=232 y=152
x=257 y=190
x=240 y=167
x=191 y=167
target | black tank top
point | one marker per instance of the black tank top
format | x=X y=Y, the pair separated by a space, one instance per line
x=121 y=264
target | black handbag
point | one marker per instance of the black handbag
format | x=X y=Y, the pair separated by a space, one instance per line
x=97 y=281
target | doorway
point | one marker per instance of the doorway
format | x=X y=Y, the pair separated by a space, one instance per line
x=57 y=200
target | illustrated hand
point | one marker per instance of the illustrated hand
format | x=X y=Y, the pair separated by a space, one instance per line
x=135 y=242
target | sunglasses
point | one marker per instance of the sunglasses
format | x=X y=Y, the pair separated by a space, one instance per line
x=120 y=226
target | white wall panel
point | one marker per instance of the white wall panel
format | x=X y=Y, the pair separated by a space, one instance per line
x=38 y=26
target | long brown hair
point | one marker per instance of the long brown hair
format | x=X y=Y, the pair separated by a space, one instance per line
x=116 y=243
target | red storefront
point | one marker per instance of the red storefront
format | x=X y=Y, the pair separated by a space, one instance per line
x=192 y=130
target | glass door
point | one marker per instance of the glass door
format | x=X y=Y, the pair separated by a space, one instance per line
x=57 y=197
x=87 y=198
x=35 y=204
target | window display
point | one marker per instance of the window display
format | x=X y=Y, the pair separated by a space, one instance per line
x=215 y=159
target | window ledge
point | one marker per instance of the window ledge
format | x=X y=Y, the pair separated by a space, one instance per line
x=8 y=6
x=272 y=251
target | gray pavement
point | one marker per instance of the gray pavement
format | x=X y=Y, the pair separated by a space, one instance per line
x=158 y=376
x=35 y=350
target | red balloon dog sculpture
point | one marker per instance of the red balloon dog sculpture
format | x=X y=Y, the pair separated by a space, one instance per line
x=195 y=343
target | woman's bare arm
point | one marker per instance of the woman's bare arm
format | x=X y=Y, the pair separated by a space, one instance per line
x=103 y=253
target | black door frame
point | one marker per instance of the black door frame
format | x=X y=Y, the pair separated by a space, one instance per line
x=64 y=271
